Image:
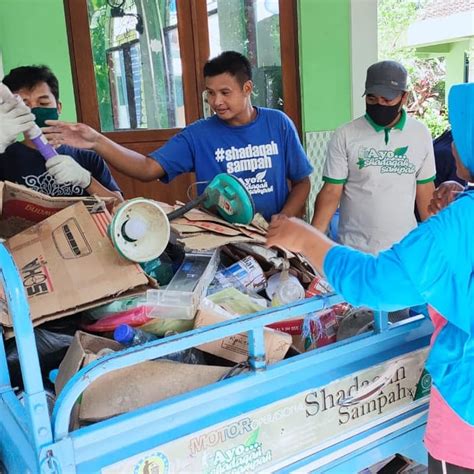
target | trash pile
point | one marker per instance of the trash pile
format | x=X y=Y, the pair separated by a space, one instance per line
x=87 y=300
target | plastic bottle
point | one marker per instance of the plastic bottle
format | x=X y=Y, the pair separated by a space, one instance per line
x=288 y=290
x=186 y=356
x=129 y=336
x=34 y=133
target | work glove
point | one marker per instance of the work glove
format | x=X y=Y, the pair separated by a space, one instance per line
x=65 y=169
x=15 y=118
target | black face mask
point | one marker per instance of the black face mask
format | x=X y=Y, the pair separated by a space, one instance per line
x=383 y=114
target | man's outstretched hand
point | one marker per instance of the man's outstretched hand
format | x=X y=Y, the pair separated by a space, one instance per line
x=444 y=194
x=78 y=135
x=295 y=235
x=287 y=232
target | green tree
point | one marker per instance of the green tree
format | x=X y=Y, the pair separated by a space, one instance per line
x=99 y=15
x=427 y=75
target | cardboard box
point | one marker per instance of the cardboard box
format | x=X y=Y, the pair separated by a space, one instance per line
x=21 y=207
x=68 y=263
x=235 y=348
x=127 y=389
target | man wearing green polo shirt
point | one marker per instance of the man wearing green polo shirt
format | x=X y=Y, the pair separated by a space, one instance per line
x=377 y=167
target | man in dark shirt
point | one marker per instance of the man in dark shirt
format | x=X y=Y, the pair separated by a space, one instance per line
x=74 y=172
x=445 y=163
x=448 y=184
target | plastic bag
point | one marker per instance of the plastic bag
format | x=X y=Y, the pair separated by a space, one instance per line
x=52 y=344
x=161 y=326
x=134 y=317
x=117 y=306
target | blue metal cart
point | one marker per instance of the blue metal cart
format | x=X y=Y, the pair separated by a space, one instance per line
x=337 y=409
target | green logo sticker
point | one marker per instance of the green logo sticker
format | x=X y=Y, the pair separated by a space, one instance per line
x=424 y=385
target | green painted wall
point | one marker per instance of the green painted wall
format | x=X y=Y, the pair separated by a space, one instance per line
x=34 y=32
x=325 y=63
x=455 y=64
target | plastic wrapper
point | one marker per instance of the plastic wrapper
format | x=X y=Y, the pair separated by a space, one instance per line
x=160 y=327
x=161 y=269
x=118 y=306
x=134 y=317
x=246 y=275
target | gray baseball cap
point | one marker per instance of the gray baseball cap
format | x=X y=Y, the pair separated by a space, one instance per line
x=386 y=79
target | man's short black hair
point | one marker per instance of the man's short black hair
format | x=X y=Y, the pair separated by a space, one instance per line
x=28 y=77
x=230 y=62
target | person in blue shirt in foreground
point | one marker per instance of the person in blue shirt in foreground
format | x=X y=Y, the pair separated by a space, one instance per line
x=433 y=264
x=259 y=146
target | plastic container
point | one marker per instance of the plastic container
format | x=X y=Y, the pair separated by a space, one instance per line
x=181 y=298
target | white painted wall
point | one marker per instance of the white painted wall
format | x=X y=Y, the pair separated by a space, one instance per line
x=364 y=48
x=444 y=29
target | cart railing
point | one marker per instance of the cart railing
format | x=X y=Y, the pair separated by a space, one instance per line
x=35 y=397
x=253 y=324
x=35 y=404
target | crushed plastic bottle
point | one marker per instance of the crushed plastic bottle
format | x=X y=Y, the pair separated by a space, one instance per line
x=129 y=336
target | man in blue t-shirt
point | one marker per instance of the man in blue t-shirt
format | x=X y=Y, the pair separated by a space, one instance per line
x=257 y=145
x=74 y=172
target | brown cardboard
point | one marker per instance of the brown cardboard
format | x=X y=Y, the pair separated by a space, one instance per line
x=149 y=382
x=217 y=228
x=21 y=207
x=208 y=241
x=219 y=232
x=132 y=387
x=82 y=351
x=235 y=348
x=67 y=262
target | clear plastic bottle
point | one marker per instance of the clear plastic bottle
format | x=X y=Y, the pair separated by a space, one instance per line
x=186 y=356
x=129 y=336
x=288 y=290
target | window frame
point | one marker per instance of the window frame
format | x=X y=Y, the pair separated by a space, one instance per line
x=194 y=47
